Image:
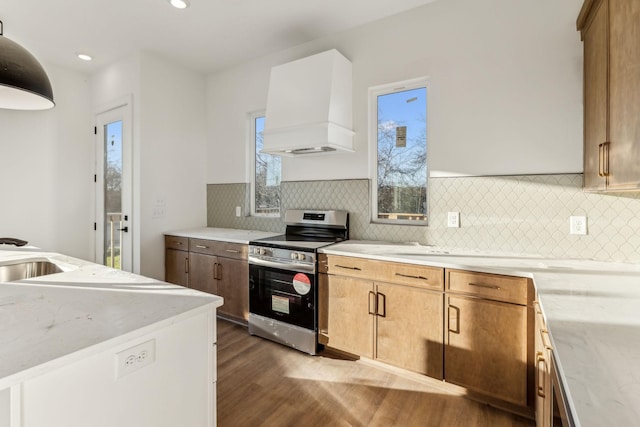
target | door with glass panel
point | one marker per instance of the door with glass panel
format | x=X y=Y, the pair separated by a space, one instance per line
x=113 y=189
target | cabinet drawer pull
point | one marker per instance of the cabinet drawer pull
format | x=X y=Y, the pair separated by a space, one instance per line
x=542 y=377
x=233 y=251
x=481 y=285
x=202 y=247
x=347 y=267
x=186 y=265
x=177 y=243
x=412 y=277
x=375 y=303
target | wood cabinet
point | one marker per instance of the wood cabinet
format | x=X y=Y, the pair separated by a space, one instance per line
x=176 y=260
x=219 y=268
x=610 y=30
x=487 y=338
x=396 y=323
x=544 y=404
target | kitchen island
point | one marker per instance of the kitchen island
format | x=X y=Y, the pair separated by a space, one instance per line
x=591 y=311
x=96 y=346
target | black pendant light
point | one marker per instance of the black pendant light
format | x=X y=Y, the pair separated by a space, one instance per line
x=24 y=84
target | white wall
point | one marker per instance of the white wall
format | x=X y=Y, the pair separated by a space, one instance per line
x=505 y=98
x=172 y=156
x=46 y=169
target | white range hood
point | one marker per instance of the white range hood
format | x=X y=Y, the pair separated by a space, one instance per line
x=309 y=106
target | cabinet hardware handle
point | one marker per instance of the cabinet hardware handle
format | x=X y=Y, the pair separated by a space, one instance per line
x=536 y=307
x=605 y=159
x=600 y=157
x=412 y=277
x=219 y=268
x=348 y=268
x=215 y=271
x=375 y=303
x=541 y=378
x=233 y=251
x=186 y=265
x=202 y=247
x=546 y=343
x=178 y=243
x=480 y=285
x=384 y=304
x=457 y=329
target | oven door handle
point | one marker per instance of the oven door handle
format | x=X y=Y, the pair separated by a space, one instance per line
x=307 y=268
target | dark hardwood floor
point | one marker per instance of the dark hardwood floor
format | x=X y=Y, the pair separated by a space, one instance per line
x=261 y=383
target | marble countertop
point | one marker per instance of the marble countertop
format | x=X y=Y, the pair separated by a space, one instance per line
x=53 y=320
x=231 y=235
x=592 y=310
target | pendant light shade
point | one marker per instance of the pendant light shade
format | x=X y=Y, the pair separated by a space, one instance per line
x=24 y=84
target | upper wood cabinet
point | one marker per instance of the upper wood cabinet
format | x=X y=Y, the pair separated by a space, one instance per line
x=610 y=30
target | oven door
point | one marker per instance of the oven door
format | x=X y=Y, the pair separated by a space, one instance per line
x=287 y=296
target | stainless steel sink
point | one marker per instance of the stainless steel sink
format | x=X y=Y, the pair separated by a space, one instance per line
x=27 y=269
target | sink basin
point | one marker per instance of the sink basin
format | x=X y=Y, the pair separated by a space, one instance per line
x=27 y=269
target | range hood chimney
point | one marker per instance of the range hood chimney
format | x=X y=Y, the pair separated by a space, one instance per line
x=309 y=106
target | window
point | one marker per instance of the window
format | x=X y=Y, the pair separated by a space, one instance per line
x=267 y=172
x=398 y=134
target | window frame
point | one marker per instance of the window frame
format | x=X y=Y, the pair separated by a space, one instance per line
x=251 y=164
x=374 y=93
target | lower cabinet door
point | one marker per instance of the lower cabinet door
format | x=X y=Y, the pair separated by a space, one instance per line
x=201 y=273
x=486 y=347
x=409 y=328
x=176 y=267
x=232 y=278
x=346 y=319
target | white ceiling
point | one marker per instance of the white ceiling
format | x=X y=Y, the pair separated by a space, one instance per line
x=209 y=35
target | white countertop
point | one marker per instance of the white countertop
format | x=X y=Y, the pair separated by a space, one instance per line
x=231 y=235
x=592 y=310
x=54 y=320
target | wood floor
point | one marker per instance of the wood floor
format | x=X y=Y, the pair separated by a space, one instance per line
x=261 y=383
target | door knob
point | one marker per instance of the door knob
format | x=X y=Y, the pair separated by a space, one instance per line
x=125 y=229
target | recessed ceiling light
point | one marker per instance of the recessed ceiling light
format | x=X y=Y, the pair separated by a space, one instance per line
x=85 y=57
x=179 y=4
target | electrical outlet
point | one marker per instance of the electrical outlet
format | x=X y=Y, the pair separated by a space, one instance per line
x=453 y=219
x=578 y=225
x=134 y=358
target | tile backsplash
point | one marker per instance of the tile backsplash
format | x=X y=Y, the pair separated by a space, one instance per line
x=524 y=214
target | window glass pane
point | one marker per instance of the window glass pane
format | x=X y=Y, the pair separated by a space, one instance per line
x=402 y=155
x=267 y=178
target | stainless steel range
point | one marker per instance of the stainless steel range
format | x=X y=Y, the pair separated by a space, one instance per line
x=283 y=292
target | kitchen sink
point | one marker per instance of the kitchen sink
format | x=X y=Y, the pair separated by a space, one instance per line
x=27 y=269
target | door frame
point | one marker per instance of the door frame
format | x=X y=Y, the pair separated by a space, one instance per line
x=121 y=109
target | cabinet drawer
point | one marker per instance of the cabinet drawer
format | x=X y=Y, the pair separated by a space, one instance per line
x=175 y=242
x=414 y=275
x=384 y=271
x=350 y=266
x=493 y=286
x=223 y=249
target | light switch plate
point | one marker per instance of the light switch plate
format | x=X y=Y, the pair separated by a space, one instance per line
x=238 y=211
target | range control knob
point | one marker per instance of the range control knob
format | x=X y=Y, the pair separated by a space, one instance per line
x=293 y=255
x=263 y=251
x=301 y=257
